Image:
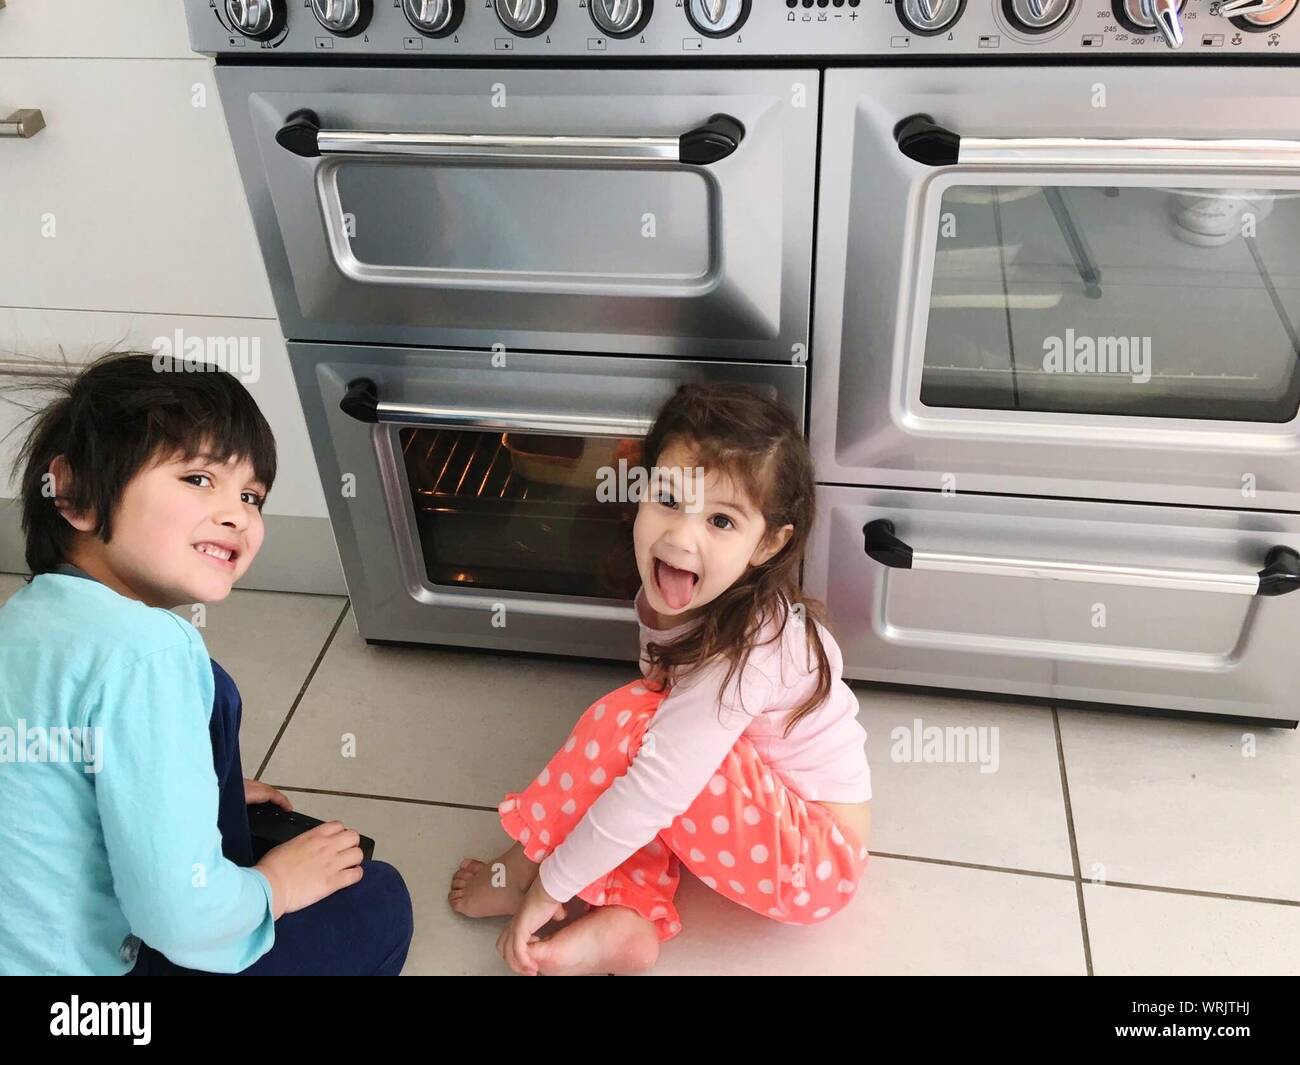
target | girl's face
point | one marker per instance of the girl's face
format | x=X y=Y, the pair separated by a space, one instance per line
x=184 y=531
x=696 y=534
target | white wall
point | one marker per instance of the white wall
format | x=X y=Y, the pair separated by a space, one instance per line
x=124 y=219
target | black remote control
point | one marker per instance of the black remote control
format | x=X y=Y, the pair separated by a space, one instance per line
x=271 y=825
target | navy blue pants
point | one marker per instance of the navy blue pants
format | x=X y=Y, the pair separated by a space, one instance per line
x=363 y=930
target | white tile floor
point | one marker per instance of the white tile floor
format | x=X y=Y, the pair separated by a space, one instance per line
x=1105 y=842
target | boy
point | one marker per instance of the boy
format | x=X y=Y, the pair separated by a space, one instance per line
x=124 y=838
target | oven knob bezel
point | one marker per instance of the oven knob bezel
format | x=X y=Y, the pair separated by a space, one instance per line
x=356 y=17
x=643 y=10
x=1020 y=14
x=731 y=17
x=947 y=13
x=1129 y=20
x=544 y=15
x=449 y=24
x=268 y=26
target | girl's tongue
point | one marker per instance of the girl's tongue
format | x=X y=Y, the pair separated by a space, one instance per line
x=675 y=585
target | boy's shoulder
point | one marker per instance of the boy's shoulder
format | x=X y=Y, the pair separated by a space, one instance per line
x=88 y=615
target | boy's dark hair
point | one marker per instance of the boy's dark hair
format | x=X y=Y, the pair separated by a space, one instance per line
x=116 y=417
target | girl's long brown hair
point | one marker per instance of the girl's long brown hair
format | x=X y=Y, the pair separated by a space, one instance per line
x=755 y=441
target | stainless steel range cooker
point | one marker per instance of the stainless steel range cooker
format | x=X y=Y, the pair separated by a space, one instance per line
x=1029 y=269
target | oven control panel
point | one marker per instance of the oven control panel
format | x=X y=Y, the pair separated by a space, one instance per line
x=713 y=30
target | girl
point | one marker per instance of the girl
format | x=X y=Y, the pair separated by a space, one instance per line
x=739 y=755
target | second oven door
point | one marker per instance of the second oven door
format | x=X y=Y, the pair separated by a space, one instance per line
x=488 y=500
x=645 y=212
x=1181 y=608
x=1116 y=316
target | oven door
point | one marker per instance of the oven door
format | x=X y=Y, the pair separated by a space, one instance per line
x=1110 y=316
x=487 y=500
x=1180 y=608
x=601 y=210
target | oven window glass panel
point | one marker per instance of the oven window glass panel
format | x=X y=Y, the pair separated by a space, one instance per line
x=1141 y=302
x=524 y=512
x=592 y=225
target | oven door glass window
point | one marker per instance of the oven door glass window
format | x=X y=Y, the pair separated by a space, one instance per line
x=524 y=512
x=1139 y=302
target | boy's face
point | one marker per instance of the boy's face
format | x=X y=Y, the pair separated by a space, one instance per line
x=184 y=531
x=696 y=536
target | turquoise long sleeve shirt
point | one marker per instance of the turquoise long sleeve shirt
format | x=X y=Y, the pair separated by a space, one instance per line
x=108 y=795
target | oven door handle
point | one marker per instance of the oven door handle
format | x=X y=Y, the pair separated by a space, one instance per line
x=361 y=401
x=716 y=139
x=923 y=140
x=1281 y=572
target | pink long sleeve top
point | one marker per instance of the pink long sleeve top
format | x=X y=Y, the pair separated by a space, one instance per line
x=823 y=759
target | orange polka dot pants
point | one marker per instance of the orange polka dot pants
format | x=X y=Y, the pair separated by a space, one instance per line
x=747 y=835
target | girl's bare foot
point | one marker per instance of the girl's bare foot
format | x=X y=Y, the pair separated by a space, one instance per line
x=609 y=939
x=492 y=889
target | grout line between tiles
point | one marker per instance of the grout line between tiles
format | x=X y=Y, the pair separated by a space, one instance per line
x=387 y=798
x=303 y=690
x=1226 y=896
x=1074 y=841
x=921 y=859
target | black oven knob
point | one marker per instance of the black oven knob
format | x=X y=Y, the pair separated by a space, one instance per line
x=929 y=17
x=434 y=18
x=717 y=18
x=258 y=19
x=525 y=18
x=1036 y=16
x=343 y=18
x=620 y=18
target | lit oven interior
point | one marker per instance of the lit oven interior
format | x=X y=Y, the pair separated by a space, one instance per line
x=523 y=512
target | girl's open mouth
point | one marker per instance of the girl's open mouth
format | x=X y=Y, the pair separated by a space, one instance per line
x=676 y=586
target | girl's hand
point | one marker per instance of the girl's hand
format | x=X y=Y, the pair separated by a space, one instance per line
x=537 y=908
x=255 y=791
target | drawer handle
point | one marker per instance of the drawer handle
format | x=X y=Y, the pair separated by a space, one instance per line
x=26 y=122
x=361 y=401
x=922 y=139
x=714 y=140
x=1281 y=572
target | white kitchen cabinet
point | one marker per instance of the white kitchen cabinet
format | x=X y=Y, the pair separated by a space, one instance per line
x=129 y=199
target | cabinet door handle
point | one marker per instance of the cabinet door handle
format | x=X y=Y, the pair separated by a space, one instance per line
x=26 y=122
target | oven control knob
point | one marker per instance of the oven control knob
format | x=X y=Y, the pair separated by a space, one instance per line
x=1255 y=16
x=619 y=18
x=1144 y=16
x=433 y=18
x=344 y=18
x=928 y=17
x=524 y=17
x=1036 y=16
x=252 y=18
x=717 y=18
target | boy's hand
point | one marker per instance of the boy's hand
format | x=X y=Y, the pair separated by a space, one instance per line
x=311 y=866
x=537 y=908
x=255 y=791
